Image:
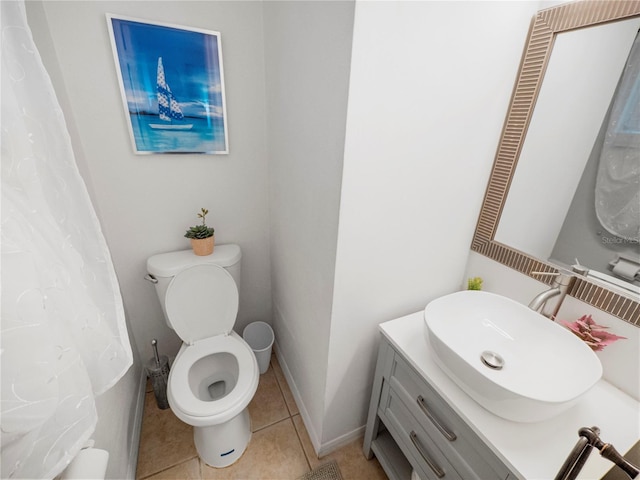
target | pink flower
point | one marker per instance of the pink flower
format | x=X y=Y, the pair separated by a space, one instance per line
x=591 y=333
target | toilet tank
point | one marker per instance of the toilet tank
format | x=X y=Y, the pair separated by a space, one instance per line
x=164 y=266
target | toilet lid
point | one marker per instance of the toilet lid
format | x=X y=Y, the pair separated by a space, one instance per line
x=202 y=301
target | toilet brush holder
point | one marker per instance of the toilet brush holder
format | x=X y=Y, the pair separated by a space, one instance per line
x=158 y=372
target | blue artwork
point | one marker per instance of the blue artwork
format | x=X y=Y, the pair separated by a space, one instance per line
x=172 y=86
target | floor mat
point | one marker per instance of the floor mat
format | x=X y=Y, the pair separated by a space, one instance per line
x=326 y=471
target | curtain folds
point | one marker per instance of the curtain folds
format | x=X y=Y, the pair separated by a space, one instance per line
x=618 y=177
x=63 y=334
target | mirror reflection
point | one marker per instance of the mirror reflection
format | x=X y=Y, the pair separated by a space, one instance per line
x=575 y=195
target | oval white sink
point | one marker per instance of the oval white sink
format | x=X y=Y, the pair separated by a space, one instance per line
x=533 y=368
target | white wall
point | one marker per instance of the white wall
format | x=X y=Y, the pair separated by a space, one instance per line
x=429 y=88
x=307 y=54
x=146 y=202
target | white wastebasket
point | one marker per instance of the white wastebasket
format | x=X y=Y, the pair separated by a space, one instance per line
x=259 y=336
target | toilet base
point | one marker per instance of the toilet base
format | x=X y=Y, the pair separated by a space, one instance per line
x=221 y=445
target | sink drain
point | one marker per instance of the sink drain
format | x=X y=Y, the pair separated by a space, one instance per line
x=492 y=360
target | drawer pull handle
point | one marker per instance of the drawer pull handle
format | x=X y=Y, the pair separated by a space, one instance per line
x=443 y=430
x=432 y=465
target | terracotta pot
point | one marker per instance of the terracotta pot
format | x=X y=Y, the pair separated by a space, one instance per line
x=203 y=246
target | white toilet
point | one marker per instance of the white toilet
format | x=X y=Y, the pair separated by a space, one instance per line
x=215 y=374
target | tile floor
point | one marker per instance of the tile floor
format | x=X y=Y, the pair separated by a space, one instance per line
x=280 y=448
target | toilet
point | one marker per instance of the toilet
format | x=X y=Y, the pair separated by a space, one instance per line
x=215 y=374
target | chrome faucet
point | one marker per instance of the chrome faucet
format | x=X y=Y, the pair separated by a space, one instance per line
x=559 y=288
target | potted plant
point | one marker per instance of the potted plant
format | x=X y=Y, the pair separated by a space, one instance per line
x=202 y=239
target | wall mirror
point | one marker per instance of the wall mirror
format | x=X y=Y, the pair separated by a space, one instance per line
x=571 y=67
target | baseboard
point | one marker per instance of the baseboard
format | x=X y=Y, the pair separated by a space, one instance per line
x=136 y=428
x=341 y=441
x=304 y=414
x=320 y=448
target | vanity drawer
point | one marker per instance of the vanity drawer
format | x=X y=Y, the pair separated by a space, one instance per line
x=465 y=450
x=429 y=462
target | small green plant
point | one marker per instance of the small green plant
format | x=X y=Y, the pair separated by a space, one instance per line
x=200 y=231
x=474 y=283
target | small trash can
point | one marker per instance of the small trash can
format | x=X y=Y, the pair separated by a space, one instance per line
x=259 y=336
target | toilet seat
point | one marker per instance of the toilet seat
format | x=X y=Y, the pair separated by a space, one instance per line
x=201 y=302
x=182 y=398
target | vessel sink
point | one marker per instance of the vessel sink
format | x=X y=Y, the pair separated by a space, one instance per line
x=513 y=361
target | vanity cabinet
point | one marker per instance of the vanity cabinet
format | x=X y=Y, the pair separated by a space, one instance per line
x=419 y=419
x=411 y=427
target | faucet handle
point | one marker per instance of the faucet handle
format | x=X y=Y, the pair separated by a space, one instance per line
x=564 y=277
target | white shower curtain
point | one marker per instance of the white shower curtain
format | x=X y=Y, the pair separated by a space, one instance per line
x=618 y=178
x=63 y=334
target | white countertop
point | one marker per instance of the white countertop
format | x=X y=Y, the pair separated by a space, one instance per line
x=533 y=451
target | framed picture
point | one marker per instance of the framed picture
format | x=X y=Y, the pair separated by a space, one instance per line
x=172 y=84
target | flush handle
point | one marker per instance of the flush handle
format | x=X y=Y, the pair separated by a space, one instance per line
x=443 y=430
x=425 y=456
x=151 y=278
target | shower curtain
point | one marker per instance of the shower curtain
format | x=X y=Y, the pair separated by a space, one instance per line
x=618 y=177
x=63 y=333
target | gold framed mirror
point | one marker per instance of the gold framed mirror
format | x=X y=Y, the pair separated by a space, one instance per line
x=545 y=27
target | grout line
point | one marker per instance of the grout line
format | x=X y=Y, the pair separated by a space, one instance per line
x=290 y=419
x=304 y=452
x=284 y=399
x=291 y=414
x=286 y=403
x=172 y=466
x=269 y=425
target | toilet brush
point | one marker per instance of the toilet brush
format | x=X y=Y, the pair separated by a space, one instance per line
x=158 y=372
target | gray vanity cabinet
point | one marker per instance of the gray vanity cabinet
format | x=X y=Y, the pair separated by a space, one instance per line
x=410 y=426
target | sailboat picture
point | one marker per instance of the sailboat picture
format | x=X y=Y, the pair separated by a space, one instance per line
x=172 y=86
x=168 y=107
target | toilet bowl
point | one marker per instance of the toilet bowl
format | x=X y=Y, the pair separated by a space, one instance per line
x=215 y=374
x=212 y=381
